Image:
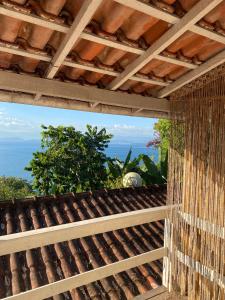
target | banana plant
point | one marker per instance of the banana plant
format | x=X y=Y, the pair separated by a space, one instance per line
x=118 y=168
x=151 y=172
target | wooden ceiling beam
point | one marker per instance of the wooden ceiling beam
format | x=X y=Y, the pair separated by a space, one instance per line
x=118 y=45
x=83 y=17
x=33 y=19
x=115 y=44
x=62 y=103
x=53 y=88
x=192 y=75
x=150 y=10
x=94 y=38
x=190 y=18
x=170 y=18
x=139 y=6
x=69 y=63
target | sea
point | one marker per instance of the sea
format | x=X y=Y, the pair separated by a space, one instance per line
x=15 y=155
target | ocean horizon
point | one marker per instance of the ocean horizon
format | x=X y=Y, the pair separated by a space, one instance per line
x=16 y=154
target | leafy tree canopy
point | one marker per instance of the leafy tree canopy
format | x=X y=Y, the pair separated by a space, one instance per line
x=162 y=131
x=13 y=187
x=70 y=161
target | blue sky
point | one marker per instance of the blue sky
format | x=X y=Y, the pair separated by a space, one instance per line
x=23 y=121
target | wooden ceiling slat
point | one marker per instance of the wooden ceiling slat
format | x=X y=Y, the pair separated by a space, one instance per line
x=80 y=22
x=150 y=10
x=76 y=31
x=190 y=76
x=170 y=18
x=72 y=64
x=121 y=46
x=191 y=17
x=91 y=37
x=142 y=7
x=10 y=12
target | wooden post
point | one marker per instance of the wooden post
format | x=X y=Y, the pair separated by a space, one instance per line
x=166 y=280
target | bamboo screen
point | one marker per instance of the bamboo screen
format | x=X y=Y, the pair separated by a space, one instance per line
x=196 y=186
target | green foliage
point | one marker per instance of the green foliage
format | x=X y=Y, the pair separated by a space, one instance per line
x=70 y=161
x=13 y=187
x=162 y=131
x=149 y=171
x=118 y=168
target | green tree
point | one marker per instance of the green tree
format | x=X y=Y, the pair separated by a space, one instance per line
x=162 y=132
x=13 y=187
x=70 y=161
x=162 y=138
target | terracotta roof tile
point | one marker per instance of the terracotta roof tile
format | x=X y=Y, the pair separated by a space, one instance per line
x=32 y=268
x=115 y=22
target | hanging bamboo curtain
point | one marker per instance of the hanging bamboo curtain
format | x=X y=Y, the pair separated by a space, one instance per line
x=196 y=184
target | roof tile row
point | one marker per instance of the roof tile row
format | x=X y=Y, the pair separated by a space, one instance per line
x=32 y=268
x=113 y=21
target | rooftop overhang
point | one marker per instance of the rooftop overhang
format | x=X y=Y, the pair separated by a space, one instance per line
x=22 y=89
x=119 y=57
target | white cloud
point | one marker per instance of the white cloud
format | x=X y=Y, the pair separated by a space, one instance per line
x=11 y=126
x=123 y=126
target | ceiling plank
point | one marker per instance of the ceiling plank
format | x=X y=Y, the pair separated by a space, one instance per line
x=192 y=75
x=193 y=16
x=84 y=16
x=34 y=85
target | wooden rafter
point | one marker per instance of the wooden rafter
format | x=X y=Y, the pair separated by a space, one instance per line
x=118 y=45
x=80 y=22
x=170 y=18
x=192 y=75
x=66 y=62
x=142 y=7
x=34 y=85
x=193 y=16
x=10 y=12
x=150 y=10
x=76 y=31
x=69 y=63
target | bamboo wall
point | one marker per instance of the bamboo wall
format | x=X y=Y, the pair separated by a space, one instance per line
x=196 y=182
